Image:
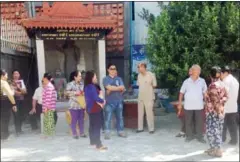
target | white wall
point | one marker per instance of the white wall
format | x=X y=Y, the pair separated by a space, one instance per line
x=140 y=29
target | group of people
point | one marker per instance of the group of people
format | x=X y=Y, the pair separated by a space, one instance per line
x=214 y=108
x=215 y=104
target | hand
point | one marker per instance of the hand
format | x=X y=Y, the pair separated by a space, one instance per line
x=33 y=111
x=108 y=92
x=14 y=108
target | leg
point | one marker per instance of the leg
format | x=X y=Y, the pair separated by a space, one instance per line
x=102 y=115
x=140 y=115
x=189 y=121
x=199 y=124
x=81 y=121
x=232 y=127
x=97 y=129
x=5 y=118
x=209 y=133
x=119 y=118
x=108 y=119
x=49 y=123
x=74 y=119
x=33 y=121
x=16 y=117
x=149 y=115
x=21 y=114
x=91 y=127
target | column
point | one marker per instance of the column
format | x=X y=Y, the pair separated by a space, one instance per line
x=101 y=61
x=41 y=67
x=40 y=60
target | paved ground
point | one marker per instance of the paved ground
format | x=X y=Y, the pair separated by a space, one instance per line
x=161 y=146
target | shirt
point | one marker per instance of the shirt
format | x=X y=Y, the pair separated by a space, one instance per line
x=146 y=85
x=91 y=97
x=232 y=86
x=49 y=97
x=114 y=96
x=216 y=97
x=7 y=91
x=193 y=93
x=74 y=87
x=38 y=95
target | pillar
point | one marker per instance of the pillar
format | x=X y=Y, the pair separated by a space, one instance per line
x=101 y=61
x=40 y=60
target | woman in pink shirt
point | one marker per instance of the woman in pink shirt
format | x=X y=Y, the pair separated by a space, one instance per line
x=48 y=105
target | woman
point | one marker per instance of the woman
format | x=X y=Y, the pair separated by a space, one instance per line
x=94 y=106
x=49 y=106
x=19 y=92
x=215 y=100
x=7 y=101
x=75 y=89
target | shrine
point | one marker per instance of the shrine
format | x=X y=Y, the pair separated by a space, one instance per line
x=70 y=36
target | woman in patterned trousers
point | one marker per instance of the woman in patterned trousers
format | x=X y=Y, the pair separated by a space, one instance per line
x=215 y=100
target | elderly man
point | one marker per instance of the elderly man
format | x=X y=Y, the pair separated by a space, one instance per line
x=146 y=82
x=231 y=107
x=193 y=90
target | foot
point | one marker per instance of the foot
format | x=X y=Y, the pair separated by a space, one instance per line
x=201 y=140
x=215 y=153
x=123 y=135
x=102 y=148
x=151 y=132
x=75 y=137
x=189 y=139
x=139 y=131
x=181 y=134
x=83 y=135
x=107 y=137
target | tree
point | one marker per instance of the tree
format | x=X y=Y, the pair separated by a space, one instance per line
x=187 y=33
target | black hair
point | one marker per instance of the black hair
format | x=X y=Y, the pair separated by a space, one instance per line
x=214 y=71
x=226 y=69
x=15 y=70
x=110 y=64
x=3 y=72
x=73 y=74
x=88 y=78
x=48 y=76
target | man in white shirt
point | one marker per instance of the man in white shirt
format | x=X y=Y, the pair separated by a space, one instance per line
x=231 y=106
x=193 y=90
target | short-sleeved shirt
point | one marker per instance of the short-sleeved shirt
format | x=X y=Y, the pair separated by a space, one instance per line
x=194 y=93
x=49 y=98
x=75 y=87
x=146 y=85
x=38 y=95
x=115 y=96
x=232 y=86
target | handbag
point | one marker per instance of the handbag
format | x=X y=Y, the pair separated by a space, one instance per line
x=81 y=101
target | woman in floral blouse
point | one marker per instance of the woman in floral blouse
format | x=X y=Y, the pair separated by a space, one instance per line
x=215 y=100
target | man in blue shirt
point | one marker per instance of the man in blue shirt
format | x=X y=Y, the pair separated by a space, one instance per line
x=114 y=89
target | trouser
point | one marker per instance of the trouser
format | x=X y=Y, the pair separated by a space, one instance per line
x=214 y=125
x=117 y=109
x=18 y=116
x=190 y=116
x=6 y=108
x=183 y=124
x=95 y=121
x=230 y=124
x=148 y=107
x=34 y=118
x=103 y=124
x=49 y=123
x=77 y=118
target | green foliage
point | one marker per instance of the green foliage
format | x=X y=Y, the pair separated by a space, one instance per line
x=187 y=33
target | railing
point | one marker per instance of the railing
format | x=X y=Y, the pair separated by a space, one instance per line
x=14 y=37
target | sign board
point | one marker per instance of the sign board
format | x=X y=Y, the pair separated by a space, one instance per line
x=69 y=34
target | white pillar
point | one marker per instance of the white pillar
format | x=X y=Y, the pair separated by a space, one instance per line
x=101 y=61
x=40 y=60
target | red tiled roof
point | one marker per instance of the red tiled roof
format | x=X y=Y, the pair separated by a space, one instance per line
x=69 y=15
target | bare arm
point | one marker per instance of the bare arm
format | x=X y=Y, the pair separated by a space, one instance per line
x=180 y=98
x=114 y=88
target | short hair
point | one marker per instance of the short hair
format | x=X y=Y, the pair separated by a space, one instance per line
x=73 y=74
x=89 y=77
x=3 y=72
x=15 y=70
x=226 y=69
x=214 y=71
x=110 y=64
x=143 y=64
x=48 y=76
x=196 y=66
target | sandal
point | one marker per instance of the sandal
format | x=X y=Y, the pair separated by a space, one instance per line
x=215 y=153
x=102 y=148
x=83 y=135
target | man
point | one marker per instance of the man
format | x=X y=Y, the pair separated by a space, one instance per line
x=231 y=106
x=114 y=88
x=146 y=96
x=193 y=90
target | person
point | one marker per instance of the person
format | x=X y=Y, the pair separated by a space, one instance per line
x=114 y=89
x=102 y=112
x=36 y=110
x=19 y=91
x=193 y=90
x=7 y=103
x=231 y=106
x=146 y=82
x=94 y=105
x=48 y=106
x=73 y=90
x=215 y=99
x=60 y=83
